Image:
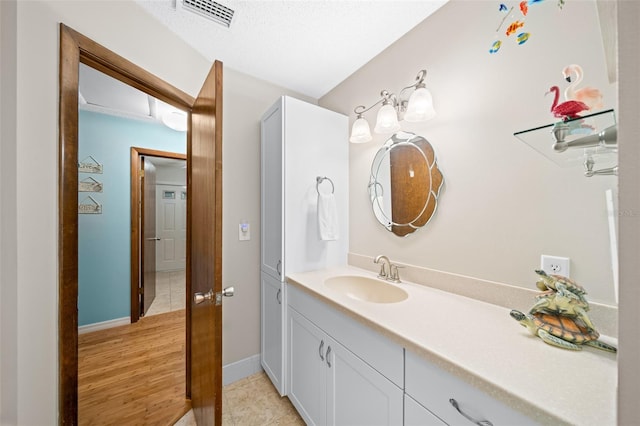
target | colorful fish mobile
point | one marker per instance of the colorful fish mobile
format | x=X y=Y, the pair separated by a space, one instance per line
x=522 y=38
x=514 y=26
x=524 y=8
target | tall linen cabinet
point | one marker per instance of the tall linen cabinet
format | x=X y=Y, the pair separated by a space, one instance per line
x=299 y=143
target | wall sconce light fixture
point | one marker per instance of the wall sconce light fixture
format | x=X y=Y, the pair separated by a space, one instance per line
x=414 y=108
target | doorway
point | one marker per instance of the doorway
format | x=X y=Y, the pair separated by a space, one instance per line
x=204 y=220
x=159 y=231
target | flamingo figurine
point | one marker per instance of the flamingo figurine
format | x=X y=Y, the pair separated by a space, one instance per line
x=568 y=109
x=589 y=95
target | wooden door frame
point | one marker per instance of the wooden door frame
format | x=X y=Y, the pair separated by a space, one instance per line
x=136 y=234
x=75 y=49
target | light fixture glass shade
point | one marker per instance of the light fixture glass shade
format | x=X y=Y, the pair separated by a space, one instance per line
x=387 y=120
x=420 y=106
x=360 y=132
x=176 y=120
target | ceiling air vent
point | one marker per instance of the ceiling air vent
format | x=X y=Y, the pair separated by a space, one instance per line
x=211 y=9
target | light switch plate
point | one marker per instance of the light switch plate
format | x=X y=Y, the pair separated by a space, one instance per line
x=244 y=231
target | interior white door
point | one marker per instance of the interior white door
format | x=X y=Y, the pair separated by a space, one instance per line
x=171 y=222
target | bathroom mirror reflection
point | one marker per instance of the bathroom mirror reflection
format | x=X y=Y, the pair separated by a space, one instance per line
x=405 y=183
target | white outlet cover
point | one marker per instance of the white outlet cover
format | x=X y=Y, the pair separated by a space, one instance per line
x=556 y=265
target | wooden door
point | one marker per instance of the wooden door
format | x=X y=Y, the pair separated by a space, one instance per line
x=204 y=180
x=149 y=241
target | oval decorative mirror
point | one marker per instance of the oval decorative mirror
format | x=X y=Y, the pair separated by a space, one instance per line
x=405 y=183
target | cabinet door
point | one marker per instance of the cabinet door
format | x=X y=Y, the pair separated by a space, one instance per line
x=271 y=330
x=307 y=370
x=416 y=415
x=271 y=190
x=356 y=393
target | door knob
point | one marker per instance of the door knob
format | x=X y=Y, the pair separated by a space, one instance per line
x=201 y=297
x=154 y=239
x=226 y=292
x=210 y=295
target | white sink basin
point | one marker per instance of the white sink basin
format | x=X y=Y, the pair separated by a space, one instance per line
x=366 y=289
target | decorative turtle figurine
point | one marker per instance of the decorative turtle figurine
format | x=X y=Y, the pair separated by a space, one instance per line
x=561 y=331
x=563 y=296
x=565 y=305
x=559 y=284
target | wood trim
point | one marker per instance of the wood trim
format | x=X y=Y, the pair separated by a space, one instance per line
x=114 y=65
x=68 y=229
x=136 y=236
x=75 y=49
x=217 y=68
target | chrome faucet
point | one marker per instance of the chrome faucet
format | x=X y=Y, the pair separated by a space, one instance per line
x=392 y=274
x=383 y=272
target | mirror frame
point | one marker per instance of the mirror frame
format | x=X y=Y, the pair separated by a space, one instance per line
x=383 y=208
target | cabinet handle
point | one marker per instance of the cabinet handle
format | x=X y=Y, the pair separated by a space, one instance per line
x=278 y=296
x=278 y=266
x=327 y=356
x=320 y=350
x=468 y=417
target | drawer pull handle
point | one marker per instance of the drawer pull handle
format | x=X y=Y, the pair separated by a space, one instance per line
x=278 y=297
x=278 y=265
x=320 y=350
x=328 y=352
x=468 y=417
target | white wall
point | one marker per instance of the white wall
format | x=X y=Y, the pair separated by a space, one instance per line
x=8 y=199
x=629 y=229
x=315 y=145
x=503 y=204
x=245 y=100
x=30 y=369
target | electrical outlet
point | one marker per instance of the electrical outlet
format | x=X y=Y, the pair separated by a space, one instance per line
x=555 y=265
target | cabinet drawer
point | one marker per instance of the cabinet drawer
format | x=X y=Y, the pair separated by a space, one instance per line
x=376 y=350
x=433 y=387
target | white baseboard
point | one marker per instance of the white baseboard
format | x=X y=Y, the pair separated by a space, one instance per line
x=103 y=325
x=241 y=369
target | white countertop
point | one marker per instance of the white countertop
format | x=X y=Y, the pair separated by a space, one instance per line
x=481 y=343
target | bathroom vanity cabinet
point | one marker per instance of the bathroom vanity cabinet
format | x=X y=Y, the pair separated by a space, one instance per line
x=341 y=371
x=299 y=142
x=332 y=384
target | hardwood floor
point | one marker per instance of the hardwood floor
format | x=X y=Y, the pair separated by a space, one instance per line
x=133 y=374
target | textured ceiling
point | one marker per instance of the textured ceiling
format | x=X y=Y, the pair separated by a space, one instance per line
x=308 y=46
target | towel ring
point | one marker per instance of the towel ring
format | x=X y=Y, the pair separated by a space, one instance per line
x=320 y=179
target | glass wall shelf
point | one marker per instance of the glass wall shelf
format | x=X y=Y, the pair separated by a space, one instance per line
x=542 y=140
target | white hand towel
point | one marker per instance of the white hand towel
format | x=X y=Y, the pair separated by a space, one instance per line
x=327 y=217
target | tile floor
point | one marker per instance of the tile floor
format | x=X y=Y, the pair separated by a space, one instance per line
x=170 y=292
x=252 y=401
